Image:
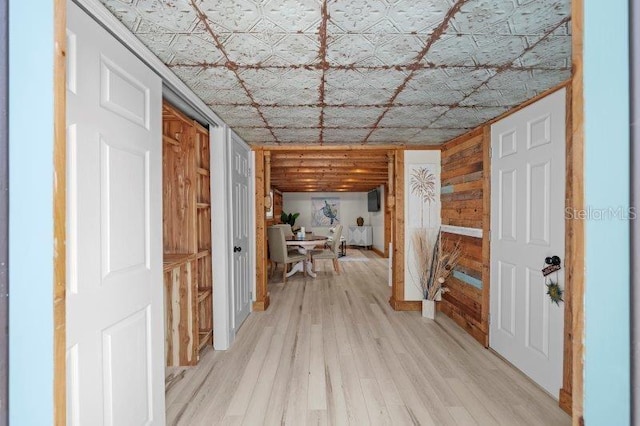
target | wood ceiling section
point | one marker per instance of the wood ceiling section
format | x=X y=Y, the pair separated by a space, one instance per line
x=332 y=171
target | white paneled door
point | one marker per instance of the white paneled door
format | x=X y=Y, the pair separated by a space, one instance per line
x=241 y=214
x=115 y=356
x=527 y=226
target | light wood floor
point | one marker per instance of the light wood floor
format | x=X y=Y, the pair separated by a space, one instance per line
x=330 y=350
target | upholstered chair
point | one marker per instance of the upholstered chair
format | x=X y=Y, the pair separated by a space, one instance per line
x=278 y=252
x=331 y=252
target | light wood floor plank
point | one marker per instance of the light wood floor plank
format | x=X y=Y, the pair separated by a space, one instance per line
x=331 y=351
x=317 y=394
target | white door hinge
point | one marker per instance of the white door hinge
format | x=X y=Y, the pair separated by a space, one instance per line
x=490 y=151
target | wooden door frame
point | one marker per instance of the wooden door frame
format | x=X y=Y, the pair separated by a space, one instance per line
x=262 y=299
x=576 y=239
x=59 y=212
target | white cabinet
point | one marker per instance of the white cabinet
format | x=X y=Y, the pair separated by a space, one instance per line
x=360 y=236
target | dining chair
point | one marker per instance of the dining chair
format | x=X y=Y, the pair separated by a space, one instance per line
x=331 y=252
x=288 y=232
x=278 y=251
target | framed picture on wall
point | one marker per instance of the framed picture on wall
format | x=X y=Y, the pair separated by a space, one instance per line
x=325 y=212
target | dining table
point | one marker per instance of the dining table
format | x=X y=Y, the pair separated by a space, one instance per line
x=305 y=245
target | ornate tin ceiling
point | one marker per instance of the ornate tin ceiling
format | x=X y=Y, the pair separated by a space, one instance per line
x=341 y=72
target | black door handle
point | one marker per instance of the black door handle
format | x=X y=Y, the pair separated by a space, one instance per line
x=552 y=260
x=237 y=249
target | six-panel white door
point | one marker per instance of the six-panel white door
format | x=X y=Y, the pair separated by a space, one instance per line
x=115 y=336
x=527 y=225
x=241 y=214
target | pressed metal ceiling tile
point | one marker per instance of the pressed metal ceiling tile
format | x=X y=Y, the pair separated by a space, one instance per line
x=255 y=134
x=194 y=49
x=411 y=116
x=552 y=52
x=428 y=96
x=159 y=43
x=470 y=116
x=435 y=136
x=217 y=78
x=491 y=97
x=418 y=16
x=175 y=15
x=349 y=49
x=393 y=134
x=298 y=135
x=348 y=117
x=274 y=114
x=365 y=78
x=289 y=79
x=261 y=78
x=463 y=79
x=358 y=71
x=484 y=17
x=245 y=48
x=294 y=49
x=480 y=49
x=356 y=15
x=295 y=123
x=126 y=13
x=284 y=96
x=399 y=49
x=537 y=16
x=537 y=80
x=268 y=31
x=214 y=96
x=294 y=15
x=335 y=96
x=344 y=135
x=237 y=116
x=232 y=15
x=189 y=75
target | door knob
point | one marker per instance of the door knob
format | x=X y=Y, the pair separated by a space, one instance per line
x=552 y=260
x=237 y=249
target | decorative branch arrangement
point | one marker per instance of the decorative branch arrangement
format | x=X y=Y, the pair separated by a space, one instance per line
x=434 y=264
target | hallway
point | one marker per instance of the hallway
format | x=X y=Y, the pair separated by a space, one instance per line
x=331 y=350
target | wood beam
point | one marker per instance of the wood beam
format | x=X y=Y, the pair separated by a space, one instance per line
x=334 y=162
x=262 y=296
x=390 y=177
x=268 y=202
x=486 y=230
x=397 y=285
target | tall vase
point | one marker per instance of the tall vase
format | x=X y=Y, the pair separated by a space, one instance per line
x=429 y=309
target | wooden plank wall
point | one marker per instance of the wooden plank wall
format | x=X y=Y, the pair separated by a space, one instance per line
x=463 y=200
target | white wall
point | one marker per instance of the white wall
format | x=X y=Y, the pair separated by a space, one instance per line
x=352 y=205
x=412 y=289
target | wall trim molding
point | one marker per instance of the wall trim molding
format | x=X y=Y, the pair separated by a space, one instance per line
x=462 y=230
